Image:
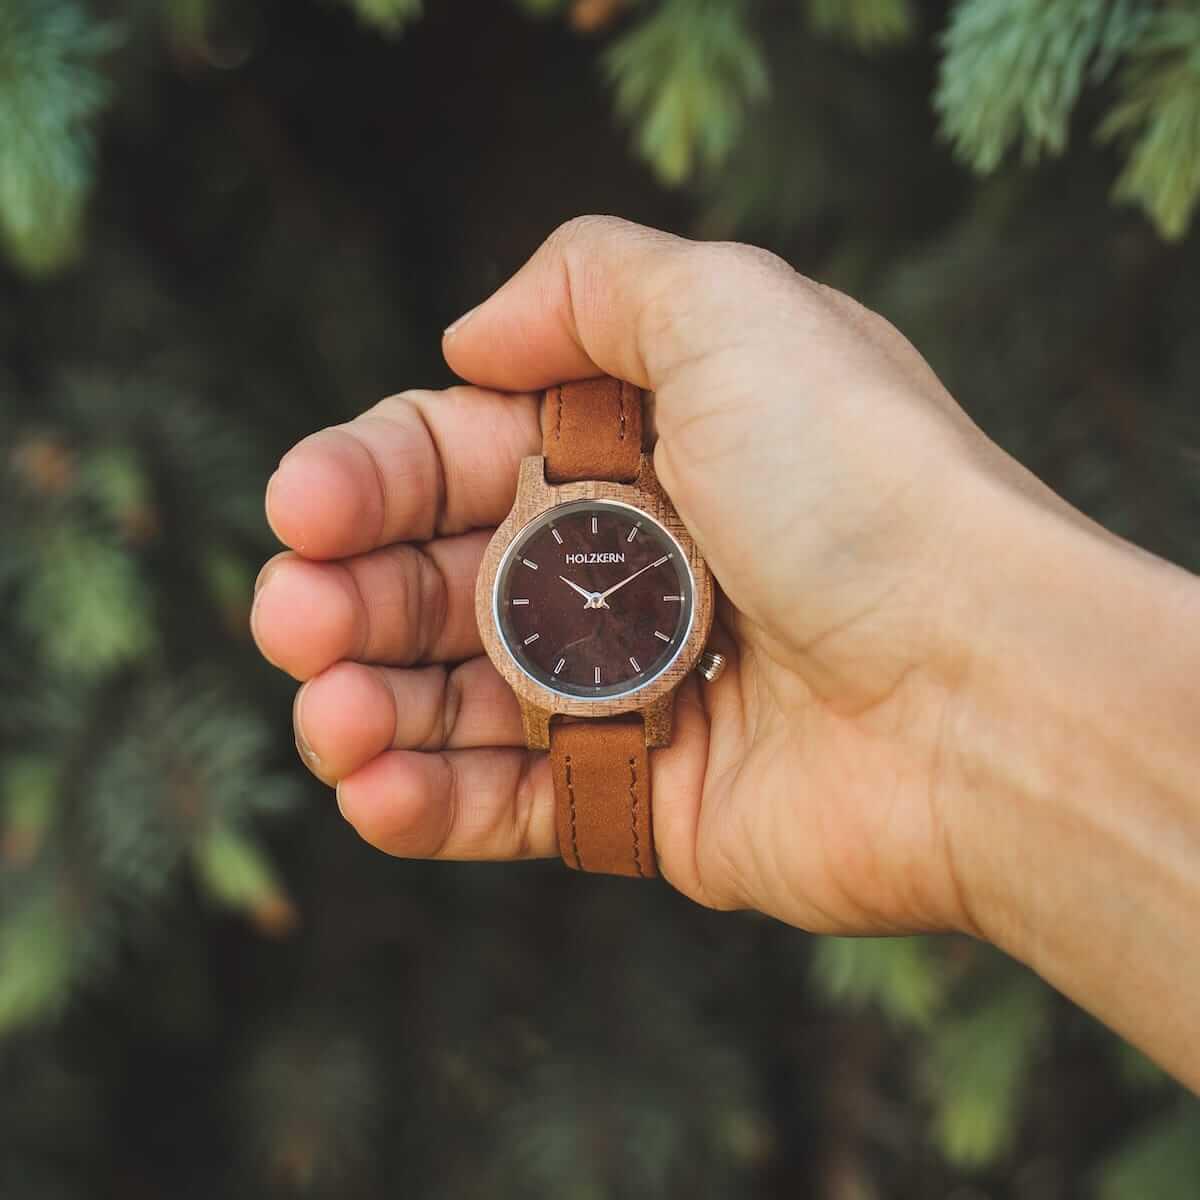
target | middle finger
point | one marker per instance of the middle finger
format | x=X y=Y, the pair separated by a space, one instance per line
x=399 y=605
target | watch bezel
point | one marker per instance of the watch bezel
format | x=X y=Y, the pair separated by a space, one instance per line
x=534 y=498
x=519 y=538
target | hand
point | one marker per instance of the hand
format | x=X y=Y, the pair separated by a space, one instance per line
x=952 y=701
x=827 y=477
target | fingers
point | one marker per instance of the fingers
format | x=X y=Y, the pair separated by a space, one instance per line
x=418 y=464
x=399 y=605
x=456 y=804
x=352 y=713
x=603 y=295
x=498 y=803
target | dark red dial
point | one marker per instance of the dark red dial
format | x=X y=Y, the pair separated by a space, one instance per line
x=594 y=599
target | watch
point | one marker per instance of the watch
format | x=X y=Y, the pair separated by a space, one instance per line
x=594 y=603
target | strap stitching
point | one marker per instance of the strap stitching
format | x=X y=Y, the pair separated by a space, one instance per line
x=571 y=799
x=633 y=817
x=621 y=431
x=558 y=423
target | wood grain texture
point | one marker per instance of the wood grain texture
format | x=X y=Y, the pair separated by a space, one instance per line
x=538 y=704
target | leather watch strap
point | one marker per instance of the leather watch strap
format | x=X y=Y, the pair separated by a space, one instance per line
x=601 y=775
x=592 y=430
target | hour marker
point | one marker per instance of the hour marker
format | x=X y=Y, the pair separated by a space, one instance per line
x=597 y=674
x=594 y=529
x=558 y=666
x=659 y=634
x=531 y=565
x=632 y=534
x=533 y=637
x=633 y=662
x=557 y=535
x=520 y=601
x=659 y=562
x=679 y=598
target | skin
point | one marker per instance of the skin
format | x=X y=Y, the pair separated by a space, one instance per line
x=953 y=702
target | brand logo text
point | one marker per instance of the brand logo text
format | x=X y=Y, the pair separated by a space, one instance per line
x=576 y=559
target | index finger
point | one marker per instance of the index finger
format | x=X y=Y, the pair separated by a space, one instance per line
x=416 y=465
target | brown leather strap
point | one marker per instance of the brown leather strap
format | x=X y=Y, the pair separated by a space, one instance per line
x=602 y=787
x=592 y=430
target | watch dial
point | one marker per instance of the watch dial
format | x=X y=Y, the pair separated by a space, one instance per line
x=594 y=599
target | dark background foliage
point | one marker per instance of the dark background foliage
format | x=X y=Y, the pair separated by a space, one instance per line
x=228 y=224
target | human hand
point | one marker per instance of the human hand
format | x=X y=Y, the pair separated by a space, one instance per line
x=837 y=492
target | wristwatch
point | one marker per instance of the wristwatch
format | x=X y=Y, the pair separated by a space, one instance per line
x=594 y=603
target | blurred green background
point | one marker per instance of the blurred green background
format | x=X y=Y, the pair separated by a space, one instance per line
x=226 y=223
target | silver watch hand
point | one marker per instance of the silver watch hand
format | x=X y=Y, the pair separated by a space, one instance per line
x=657 y=563
x=574 y=586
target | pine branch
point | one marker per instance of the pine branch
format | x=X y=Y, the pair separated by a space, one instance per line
x=685 y=79
x=50 y=94
x=1013 y=70
x=1158 y=117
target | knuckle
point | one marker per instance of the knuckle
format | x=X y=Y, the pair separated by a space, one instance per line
x=432 y=602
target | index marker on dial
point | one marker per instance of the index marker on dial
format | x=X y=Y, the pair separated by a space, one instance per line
x=632 y=534
x=530 y=564
x=557 y=535
x=558 y=666
x=520 y=602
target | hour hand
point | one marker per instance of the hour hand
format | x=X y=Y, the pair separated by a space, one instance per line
x=594 y=599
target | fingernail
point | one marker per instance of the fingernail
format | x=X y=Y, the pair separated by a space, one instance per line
x=306 y=752
x=267 y=505
x=455 y=326
x=337 y=792
x=264 y=575
x=268 y=569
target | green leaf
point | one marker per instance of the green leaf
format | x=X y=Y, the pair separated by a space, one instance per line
x=388 y=16
x=685 y=79
x=28 y=798
x=1158 y=117
x=1013 y=71
x=36 y=963
x=1162 y=1160
x=978 y=1065
x=50 y=93
x=900 y=975
x=864 y=23
x=237 y=875
x=87 y=604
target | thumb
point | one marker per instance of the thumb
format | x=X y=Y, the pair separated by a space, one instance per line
x=605 y=296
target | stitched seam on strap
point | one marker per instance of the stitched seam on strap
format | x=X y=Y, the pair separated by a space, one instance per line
x=571 y=801
x=633 y=817
x=621 y=430
x=558 y=423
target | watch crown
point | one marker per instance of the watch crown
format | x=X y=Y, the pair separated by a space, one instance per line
x=711 y=665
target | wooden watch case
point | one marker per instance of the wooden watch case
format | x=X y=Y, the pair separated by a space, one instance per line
x=539 y=704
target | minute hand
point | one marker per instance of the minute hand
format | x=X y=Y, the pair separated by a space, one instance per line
x=657 y=563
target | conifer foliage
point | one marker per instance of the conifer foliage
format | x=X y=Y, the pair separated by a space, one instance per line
x=224 y=223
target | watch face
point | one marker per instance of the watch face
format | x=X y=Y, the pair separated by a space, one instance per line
x=594 y=599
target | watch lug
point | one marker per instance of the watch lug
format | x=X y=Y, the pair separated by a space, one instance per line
x=659 y=717
x=536 y=722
